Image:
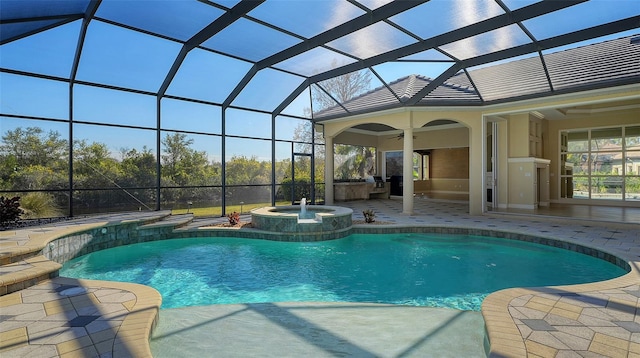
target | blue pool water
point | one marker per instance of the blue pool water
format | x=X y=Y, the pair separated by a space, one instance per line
x=455 y=271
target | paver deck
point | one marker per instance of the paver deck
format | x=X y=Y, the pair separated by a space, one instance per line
x=64 y=317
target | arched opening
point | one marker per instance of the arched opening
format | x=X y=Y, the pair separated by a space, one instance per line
x=439 y=162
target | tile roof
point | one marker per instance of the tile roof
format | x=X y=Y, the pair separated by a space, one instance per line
x=604 y=64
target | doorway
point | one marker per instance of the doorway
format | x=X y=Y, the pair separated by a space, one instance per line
x=491 y=167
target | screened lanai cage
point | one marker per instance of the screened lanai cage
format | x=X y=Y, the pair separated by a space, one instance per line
x=217 y=106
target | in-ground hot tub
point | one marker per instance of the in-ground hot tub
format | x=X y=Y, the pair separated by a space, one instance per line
x=319 y=223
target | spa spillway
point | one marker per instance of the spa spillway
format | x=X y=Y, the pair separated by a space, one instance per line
x=319 y=223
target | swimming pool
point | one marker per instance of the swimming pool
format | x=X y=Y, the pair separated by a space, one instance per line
x=438 y=270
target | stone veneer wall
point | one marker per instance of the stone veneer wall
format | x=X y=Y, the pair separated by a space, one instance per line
x=265 y=235
x=352 y=191
x=288 y=225
x=81 y=243
x=282 y=224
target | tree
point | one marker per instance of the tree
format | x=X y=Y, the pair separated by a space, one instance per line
x=303 y=134
x=34 y=147
x=341 y=88
x=182 y=165
x=94 y=167
x=283 y=170
x=325 y=94
x=138 y=167
x=29 y=157
x=38 y=177
x=359 y=161
x=241 y=170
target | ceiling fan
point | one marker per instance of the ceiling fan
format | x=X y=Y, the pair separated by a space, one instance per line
x=399 y=136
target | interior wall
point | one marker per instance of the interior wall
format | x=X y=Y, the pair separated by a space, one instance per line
x=449 y=170
x=450 y=163
x=519 y=135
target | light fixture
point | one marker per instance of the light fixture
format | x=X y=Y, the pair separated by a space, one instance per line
x=537 y=114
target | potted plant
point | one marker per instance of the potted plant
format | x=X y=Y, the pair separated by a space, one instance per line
x=234 y=218
x=369 y=215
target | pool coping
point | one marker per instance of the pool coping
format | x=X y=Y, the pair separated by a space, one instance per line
x=505 y=337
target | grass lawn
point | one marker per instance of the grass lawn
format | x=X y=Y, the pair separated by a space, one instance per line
x=217 y=210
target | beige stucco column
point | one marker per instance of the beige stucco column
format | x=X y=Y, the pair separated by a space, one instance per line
x=407 y=172
x=476 y=170
x=328 y=170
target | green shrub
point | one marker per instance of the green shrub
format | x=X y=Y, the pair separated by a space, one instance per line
x=38 y=205
x=9 y=210
x=302 y=189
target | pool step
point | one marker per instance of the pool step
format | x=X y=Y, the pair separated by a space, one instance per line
x=26 y=273
x=22 y=252
x=207 y=222
x=175 y=221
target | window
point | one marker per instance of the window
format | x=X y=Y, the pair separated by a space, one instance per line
x=354 y=162
x=393 y=163
x=598 y=163
x=421 y=166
